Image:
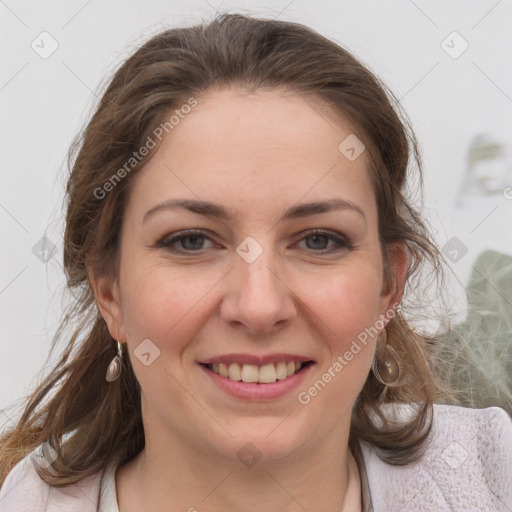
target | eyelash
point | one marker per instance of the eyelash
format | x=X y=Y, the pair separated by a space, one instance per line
x=166 y=243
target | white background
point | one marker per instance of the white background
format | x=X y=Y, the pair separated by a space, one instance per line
x=44 y=102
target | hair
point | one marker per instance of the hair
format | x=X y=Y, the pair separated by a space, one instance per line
x=90 y=422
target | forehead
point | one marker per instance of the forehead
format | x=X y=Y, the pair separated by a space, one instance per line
x=236 y=119
x=249 y=148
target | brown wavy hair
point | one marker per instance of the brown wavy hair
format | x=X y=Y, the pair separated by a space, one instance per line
x=91 y=422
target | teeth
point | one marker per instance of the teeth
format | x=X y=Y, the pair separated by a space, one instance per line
x=266 y=374
x=250 y=373
x=235 y=371
x=281 y=372
x=223 y=369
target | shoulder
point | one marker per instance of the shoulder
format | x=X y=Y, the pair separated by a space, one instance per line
x=467 y=465
x=24 y=490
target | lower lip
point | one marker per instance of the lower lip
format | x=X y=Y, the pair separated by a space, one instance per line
x=258 y=392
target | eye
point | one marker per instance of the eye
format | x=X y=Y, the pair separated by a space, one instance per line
x=319 y=240
x=189 y=241
x=193 y=241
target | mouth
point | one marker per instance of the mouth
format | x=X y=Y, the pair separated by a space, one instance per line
x=257 y=378
x=258 y=374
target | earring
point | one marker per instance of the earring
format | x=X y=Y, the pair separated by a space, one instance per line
x=115 y=366
x=386 y=366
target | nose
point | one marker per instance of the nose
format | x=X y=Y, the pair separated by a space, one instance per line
x=257 y=300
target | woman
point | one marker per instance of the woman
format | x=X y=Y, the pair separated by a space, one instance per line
x=240 y=239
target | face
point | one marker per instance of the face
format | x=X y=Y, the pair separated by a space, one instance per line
x=282 y=266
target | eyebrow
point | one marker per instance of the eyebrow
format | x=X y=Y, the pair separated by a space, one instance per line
x=217 y=211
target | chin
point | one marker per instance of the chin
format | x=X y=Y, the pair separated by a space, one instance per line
x=270 y=440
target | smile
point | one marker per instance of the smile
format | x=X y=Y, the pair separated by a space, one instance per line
x=252 y=373
x=257 y=377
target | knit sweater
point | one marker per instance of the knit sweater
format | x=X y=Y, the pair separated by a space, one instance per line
x=467 y=466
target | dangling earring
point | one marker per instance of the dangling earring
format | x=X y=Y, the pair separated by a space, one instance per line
x=386 y=366
x=115 y=366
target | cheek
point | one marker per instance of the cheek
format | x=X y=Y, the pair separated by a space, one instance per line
x=160 y=303
x=349 y=312
x=347 y=305
x=162 y=306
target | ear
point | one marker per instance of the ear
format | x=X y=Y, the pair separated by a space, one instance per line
x=395 y=275
x=108 y=298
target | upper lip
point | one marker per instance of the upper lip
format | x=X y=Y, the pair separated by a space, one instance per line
x=254 y=359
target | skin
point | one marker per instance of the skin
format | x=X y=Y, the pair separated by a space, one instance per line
x=256 y=154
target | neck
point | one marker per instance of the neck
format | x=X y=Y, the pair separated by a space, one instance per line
x=172 y=472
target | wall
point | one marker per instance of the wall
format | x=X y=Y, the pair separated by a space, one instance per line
x=445 y=61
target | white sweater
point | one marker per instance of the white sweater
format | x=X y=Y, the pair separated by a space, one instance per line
x=466 y=467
